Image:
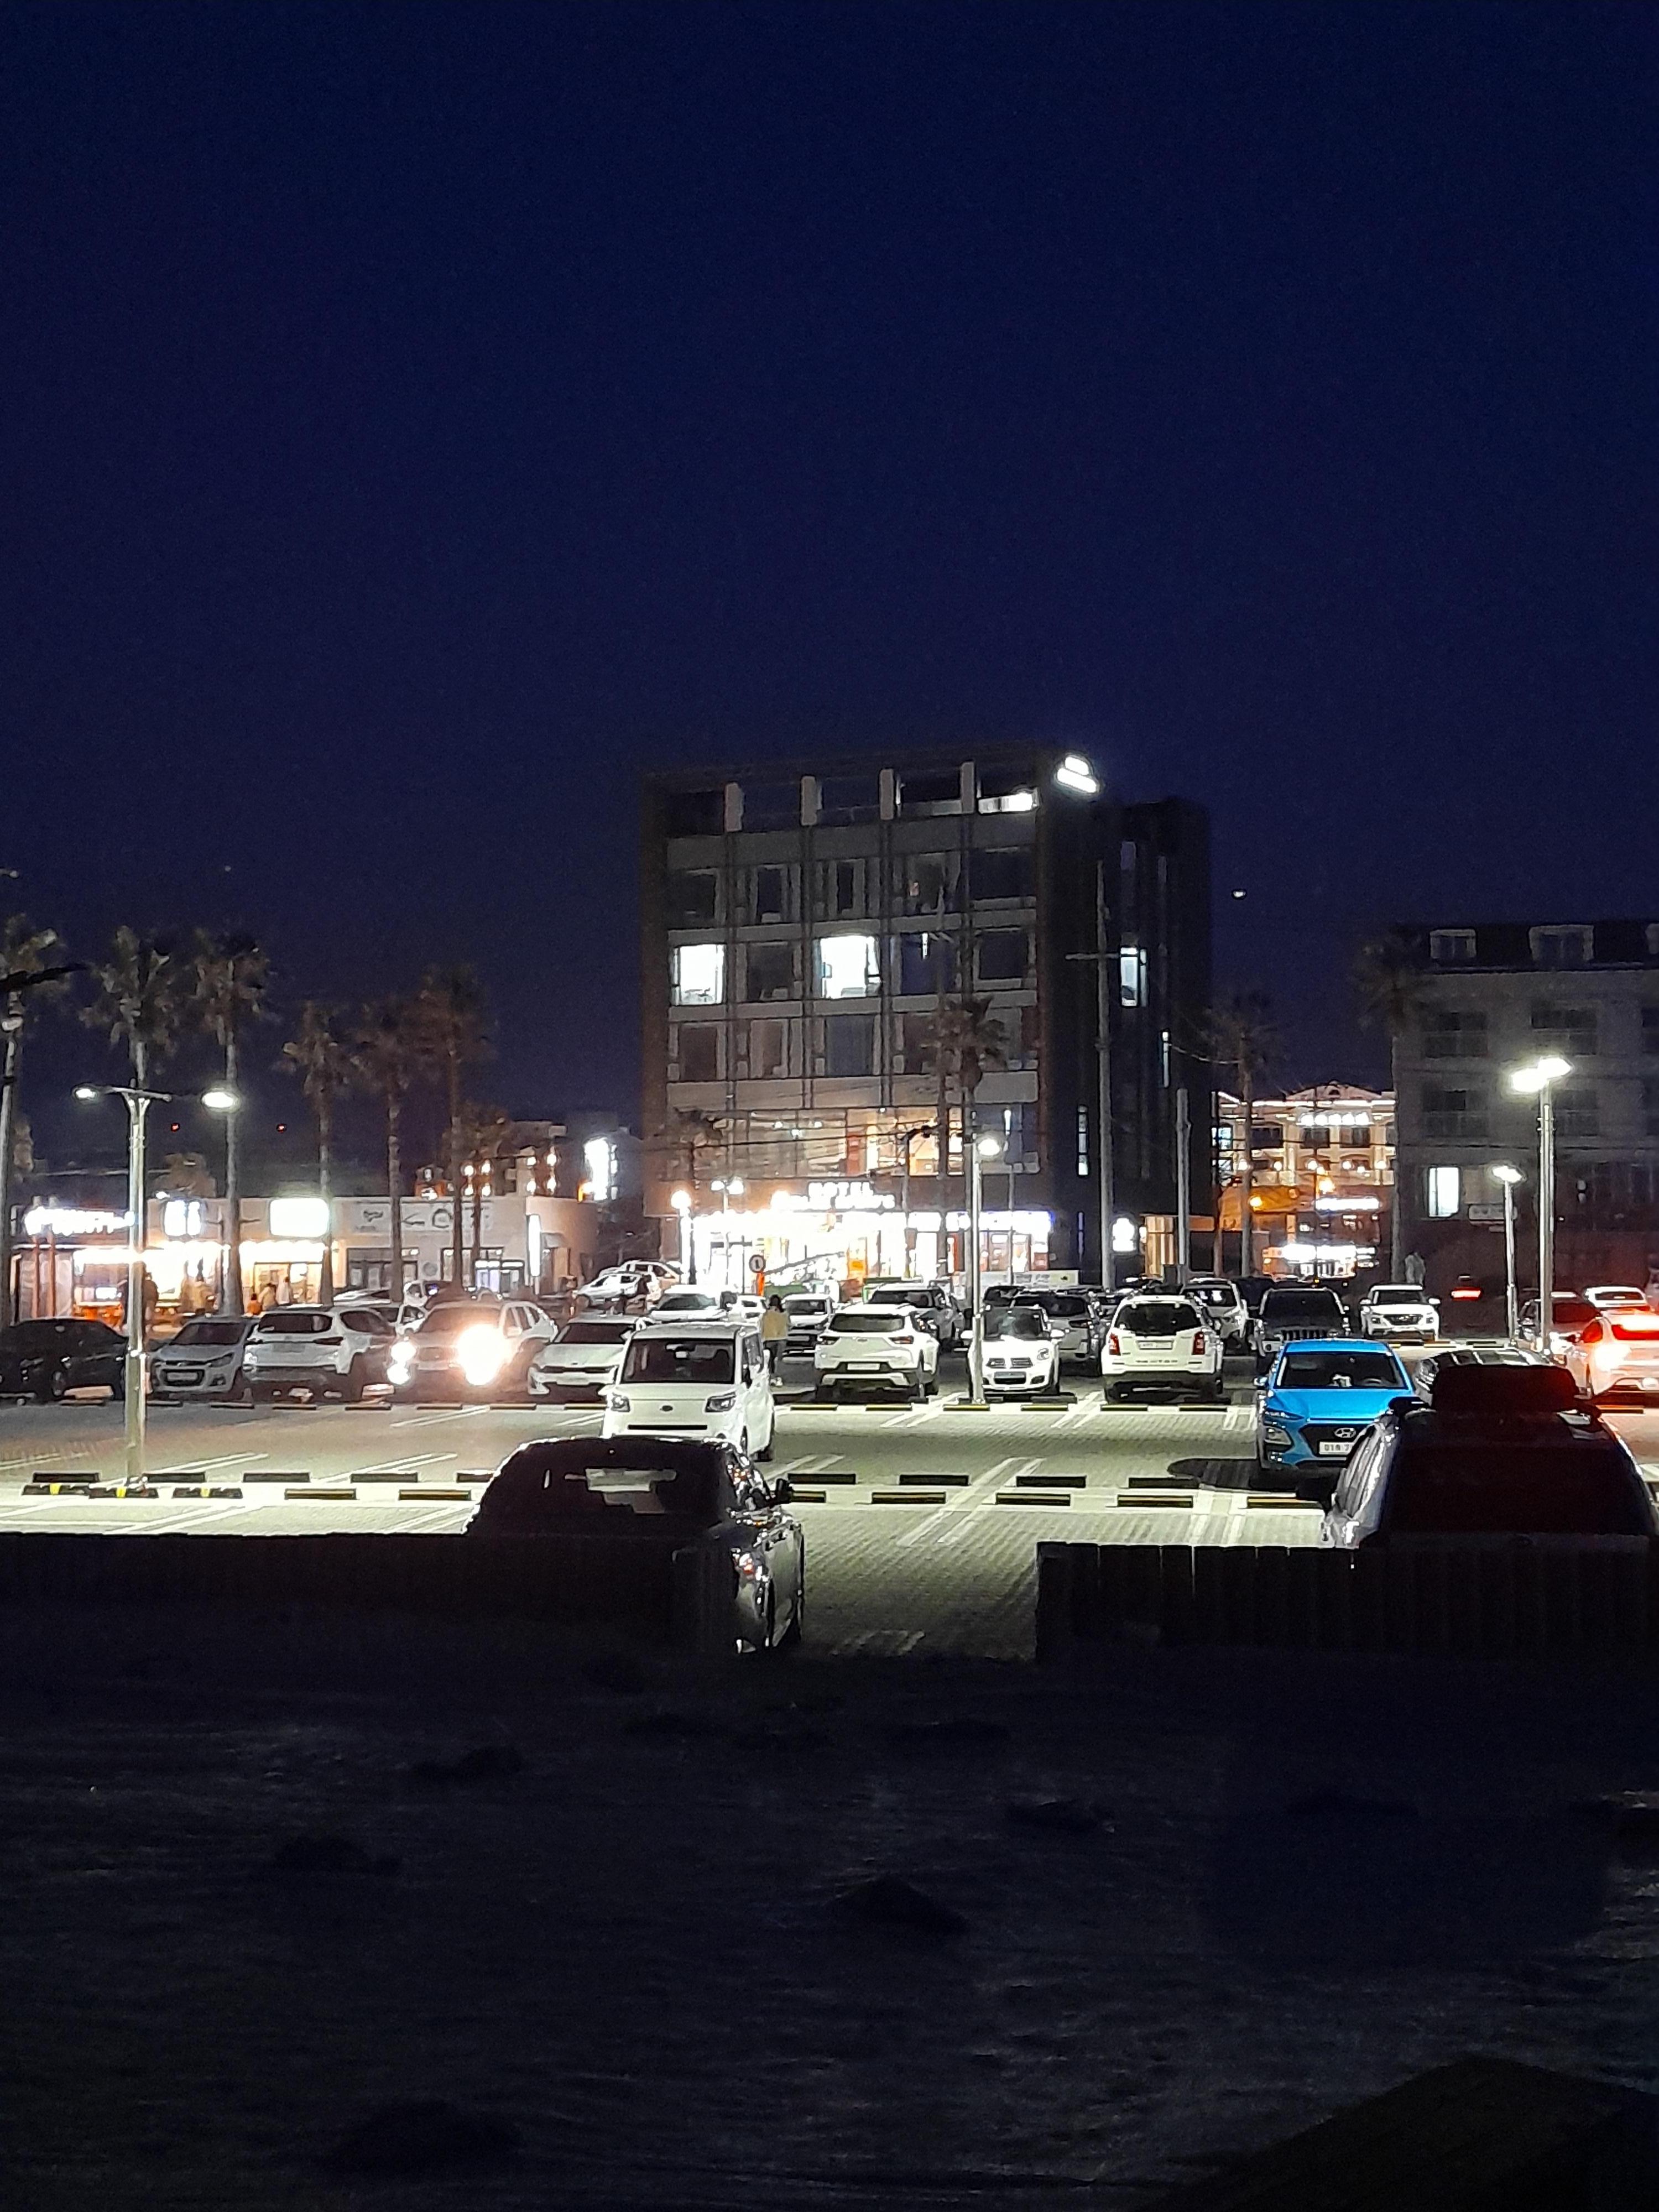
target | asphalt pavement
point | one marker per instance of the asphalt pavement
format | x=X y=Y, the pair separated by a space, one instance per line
x=922 y=1522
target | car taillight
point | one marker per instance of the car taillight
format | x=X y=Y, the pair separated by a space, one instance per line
x=1113 y=1346
x=904 y=1339
x=1639 y=1335
x=1198 y=1344
x=1469 y=1293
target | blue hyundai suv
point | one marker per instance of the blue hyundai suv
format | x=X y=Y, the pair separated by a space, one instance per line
x=1320 y=1398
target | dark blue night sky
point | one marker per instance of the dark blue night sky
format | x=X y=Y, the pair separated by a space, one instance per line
x=417 y=418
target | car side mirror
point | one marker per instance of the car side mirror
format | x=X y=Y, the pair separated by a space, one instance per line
x=782 y=1489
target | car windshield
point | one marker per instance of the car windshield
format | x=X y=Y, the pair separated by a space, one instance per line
x=596 y=1331
x=1021 y=1321
x=1569 y=1489
x=1397 y=1294
x=897 y=1294
x=1573 y=1313
x=1062 y=1305
x=807 y=1305
x=1213 y=1294
x=1300 y=1305
x=867 y=1324
x=211 y=1332
x=1340 y=1371
x=368 y=1323
x=1158 y=1316
x=450 y=1320
x=602 y=1486
x=692 y=1359
x=687 y=1302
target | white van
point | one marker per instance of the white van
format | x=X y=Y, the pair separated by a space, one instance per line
x=694 y=1378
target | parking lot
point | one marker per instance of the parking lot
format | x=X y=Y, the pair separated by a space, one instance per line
x=922 y=1522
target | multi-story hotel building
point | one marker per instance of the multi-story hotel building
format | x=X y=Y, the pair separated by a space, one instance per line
x=1321 y=1178
x=803 y=924
x=1489 y=998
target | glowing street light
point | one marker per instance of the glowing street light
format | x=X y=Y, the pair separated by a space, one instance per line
x=729 y=1186
x=1541 y=1076
x=138 y=1103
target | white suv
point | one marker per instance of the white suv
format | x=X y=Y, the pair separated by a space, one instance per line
x=879 y=1347
x=705 y=1379
x=1162 y=1344
x=339 y=1352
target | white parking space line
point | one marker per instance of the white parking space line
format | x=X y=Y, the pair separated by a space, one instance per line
x=1239 y=1416
x=975 y=1501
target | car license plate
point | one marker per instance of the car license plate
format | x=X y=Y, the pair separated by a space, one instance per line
x=1335 y=1451
x=181 y=1375
x=867 y=1366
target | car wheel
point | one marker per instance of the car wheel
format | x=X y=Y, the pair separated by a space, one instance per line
x=797 y=1628
x=353 y=1392
x=766 y=1450
x=53 y=1385
x=118 y=1389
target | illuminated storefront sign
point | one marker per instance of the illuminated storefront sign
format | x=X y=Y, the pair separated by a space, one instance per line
x=306 y=1217
x=72 y=1221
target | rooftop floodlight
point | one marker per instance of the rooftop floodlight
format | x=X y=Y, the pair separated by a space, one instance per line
x=1540 y=1073
x=1076 y=774
x=222 y=1102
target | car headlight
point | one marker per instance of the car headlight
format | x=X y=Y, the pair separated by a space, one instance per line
x=1276 y=1433
x=482 y=1352
x=617 y=1400
x=723 y=1404
x=398 y=1367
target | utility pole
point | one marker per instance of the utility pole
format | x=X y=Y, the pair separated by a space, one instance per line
x=1101 y=960
x=1183 y=1185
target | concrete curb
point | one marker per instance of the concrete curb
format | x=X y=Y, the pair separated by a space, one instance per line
x=1034 y=1497
x=1157 y=1500
x=425 y=1497
x=204 y=1489
x=908 y=1497
x=272 y=1474
x=315 y=1489
x=935 y=1481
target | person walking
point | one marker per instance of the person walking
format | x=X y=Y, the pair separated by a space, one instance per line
x=774 y=1335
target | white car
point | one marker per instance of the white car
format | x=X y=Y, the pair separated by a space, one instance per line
x=1164 y=1343
x=1402 y=1312
x=807 y=1312
x=338 y=1351
x=469 y=1348
x=1021 y=1351
x=581 y=1359
x=705 y=1379
x=1617 y=1355
x=631 y=1280
x=687 y=1305
x=1223 y=1301
x=877 y=1348
x=1606 y=1297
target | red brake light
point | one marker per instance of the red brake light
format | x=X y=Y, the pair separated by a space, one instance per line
x=1114 y=1348
x=1198 y=1342
x=1641 y=1334
x=1472 y=1292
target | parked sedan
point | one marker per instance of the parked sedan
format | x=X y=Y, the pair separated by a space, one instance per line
x=807 y=1313
x=1321 y=1399
x=203 y=1359
x=1074 y=1323
x=1570 y=1312
x=47 y=1359
x=580 y=1358
x=1163 y=1345
x=662 y=1492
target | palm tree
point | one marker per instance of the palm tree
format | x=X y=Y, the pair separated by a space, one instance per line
x=687 y=1134
x=1389 y=985
x=231 y=972
x=488 y=1136
x=25 y=980
x=142 y=995
x=317 y=1054
x=1244 y=1038
x=385 y=1057
x=454 y=1026
x=967 y=1039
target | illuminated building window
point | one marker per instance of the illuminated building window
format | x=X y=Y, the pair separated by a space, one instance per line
x=699 y=975
x=1444 y=1189
x=847 y=968
x=1132 y=975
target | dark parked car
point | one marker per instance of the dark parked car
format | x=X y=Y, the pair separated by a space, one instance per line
x=47 y=1359
x=663 y=1492
x=1500 y=1457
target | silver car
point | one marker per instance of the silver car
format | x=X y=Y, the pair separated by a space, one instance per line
x=204 y=1360
x=581 y=1359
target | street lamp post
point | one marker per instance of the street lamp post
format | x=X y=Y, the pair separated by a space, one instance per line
x=982 y=1149
x=729 y=1187
x=681 y=1202
x=1508 y=1177
x=138 y=1103
x=1541 y=1077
